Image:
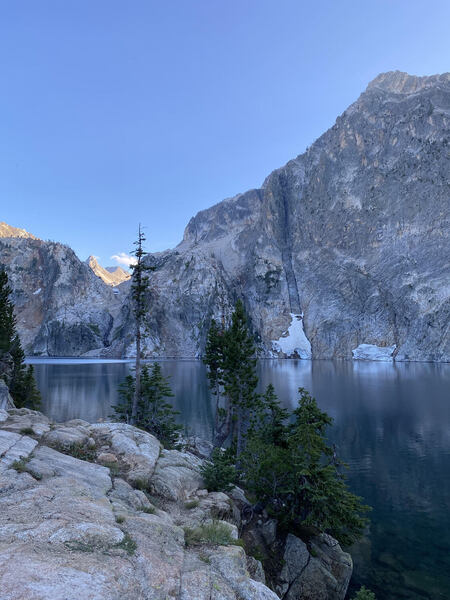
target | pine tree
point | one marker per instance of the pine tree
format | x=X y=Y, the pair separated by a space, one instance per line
x=292 y=470
x=154 y=413
x=122 y=410
x=139 y=290
x=7 y=318
x=239 y=375
x=21 y=383
x=213 y=358
x=230 y=356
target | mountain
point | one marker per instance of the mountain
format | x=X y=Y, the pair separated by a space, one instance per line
x=62 y=308
x=110 y=275
x=6 y=231
x=343 y=252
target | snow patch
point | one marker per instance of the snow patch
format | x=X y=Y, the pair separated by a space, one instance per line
x=372 y=352
x=294 y=341
x=37 y=292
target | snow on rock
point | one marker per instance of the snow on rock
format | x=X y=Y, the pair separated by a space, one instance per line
x=294 y=341
x=38 y=291
x=372 y=352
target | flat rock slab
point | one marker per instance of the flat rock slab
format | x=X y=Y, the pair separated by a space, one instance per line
x=47 y=462
x=14 y=447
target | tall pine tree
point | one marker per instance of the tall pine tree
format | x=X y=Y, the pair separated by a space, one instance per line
x=139 y=290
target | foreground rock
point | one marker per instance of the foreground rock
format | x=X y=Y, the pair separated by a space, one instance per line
x=71 y=528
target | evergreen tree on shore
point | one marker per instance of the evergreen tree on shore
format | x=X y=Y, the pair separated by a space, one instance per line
x=154 y=413
x=139 y=290
x=21 y=382
x=230 y=357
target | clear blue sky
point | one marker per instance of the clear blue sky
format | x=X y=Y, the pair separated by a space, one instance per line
x=115 y=112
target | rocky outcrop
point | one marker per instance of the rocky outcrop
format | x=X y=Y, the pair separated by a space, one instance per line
x=112 y=276
x=6 y=401
x=103 y=511
x=320 y=572
x=7 y=231
x=346 y=246
x=62 y=308
x=71 y=528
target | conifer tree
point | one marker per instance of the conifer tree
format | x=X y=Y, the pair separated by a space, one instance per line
x=213 y=358
x=7 y=318
x=21 y=383
x=154 y=413
x=231 y=360
x=297 y=475
x=239 y=375
x=139 y=290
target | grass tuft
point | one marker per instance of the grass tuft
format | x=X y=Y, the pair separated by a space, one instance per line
x=215 y=533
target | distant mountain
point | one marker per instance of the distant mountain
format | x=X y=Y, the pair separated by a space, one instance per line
x=110 y=275
x=6 y=231
x=62 y=308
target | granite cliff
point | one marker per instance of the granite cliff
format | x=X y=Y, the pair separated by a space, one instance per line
x=62 y=308
x=342 y=253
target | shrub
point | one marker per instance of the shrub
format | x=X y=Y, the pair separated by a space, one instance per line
x=215 y=532
x=78 y=450
x=219 y=473
x=150 y=510
x=190 y=504
x=27 y=431
x=364 y=594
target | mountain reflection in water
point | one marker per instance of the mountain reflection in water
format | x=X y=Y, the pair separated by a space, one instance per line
x=391 y=426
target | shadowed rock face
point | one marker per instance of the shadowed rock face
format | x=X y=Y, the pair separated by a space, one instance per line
x=353 y=234
x=62 y=308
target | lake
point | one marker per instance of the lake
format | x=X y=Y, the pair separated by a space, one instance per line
x=391 y=426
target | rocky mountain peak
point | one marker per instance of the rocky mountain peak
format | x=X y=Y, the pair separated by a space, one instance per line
x=7 y=231
x=398 y=82
x=112 y=276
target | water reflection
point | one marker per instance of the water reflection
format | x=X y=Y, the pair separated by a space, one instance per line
x=392 y=426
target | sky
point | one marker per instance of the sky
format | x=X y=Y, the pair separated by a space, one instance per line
x=116 y=113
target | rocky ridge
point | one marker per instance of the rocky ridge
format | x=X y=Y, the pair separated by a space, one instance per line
x=62 y=308
x=103 y=512
x=112 y=276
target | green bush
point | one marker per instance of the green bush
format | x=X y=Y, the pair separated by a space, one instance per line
x=364 y=594
x=219 y=473
x=216 y=533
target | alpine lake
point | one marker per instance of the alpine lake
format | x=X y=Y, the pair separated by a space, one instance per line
x=391 y=426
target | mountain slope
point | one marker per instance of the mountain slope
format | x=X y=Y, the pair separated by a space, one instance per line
x=110 y=275
x=62 y=308
x=345 y=246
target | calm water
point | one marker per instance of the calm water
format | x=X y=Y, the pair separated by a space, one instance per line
x=391 y=425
